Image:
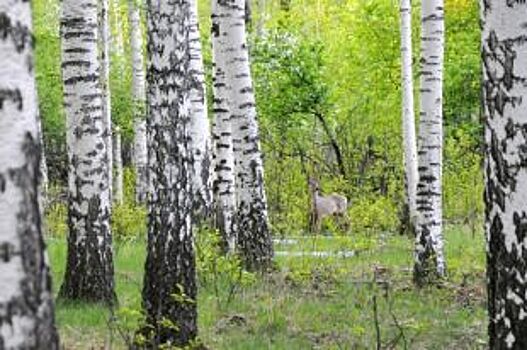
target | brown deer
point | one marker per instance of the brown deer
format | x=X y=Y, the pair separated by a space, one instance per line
x=323 y=206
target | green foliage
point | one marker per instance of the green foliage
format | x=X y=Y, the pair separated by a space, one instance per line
x=219 y=273
x=309 y=302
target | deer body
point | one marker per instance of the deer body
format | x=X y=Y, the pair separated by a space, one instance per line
x=323 y=206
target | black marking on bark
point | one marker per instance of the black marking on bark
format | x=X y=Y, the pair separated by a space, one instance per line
x=35 y=301
x=15 y=96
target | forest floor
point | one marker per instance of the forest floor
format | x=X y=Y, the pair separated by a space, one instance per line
x=329 y=300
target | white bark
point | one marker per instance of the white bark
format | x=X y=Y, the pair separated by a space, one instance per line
x=504 y=53
x=44 y=179
x=26 y=307
x=118 y=167
x=140 y=155
x=254 y=238
x=199 y=127
x=408 y=116
x=224 y=180
x=104 y=50
x=170 y=268
x=89 y=270
x=429 y=258
x=117 y=36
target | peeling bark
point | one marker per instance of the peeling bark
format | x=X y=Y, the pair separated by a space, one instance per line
x=252 y=226
x=140 y=155
x=504 y=55
x=169 y=290
x=199 y=128
x=429 y=257
x=26 y=300
x=89 y=272
x=223 y=158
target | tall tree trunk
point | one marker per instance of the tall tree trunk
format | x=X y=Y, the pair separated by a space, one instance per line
x=104 y=56
x=199 y=128
x=429 y=258
x=223 y=161
x=89 y=268
x=408 y=116
x=261 y=17
x=44 y=179
x=117 y=33
x=254 y=237
x=140 y=155
x=170 y=266
x=118 y=165
x=504 y=55
x=26 y=300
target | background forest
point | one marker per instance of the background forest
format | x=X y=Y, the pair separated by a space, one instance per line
x=327 y=79
x=327 y=82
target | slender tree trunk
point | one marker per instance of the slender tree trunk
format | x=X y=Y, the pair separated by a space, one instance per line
x=104 y=56
x=429 y=258
x=261 y=17
x=26 y=300
x=254 y=238
x=89 y=268
x=44 y=179
x=223 y=162
x=117 y=35
x=504 y=55
x=199 y=128
x=408 y=116
x=118 y=165
x=140 y=155
x=248 y=14
x=170 y=290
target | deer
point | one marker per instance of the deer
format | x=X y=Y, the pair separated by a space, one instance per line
x=323 y=206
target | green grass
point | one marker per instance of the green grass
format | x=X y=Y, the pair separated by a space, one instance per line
x=311 y=303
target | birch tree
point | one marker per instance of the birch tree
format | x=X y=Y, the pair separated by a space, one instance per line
x=89 y=268
x=169 y=292
x=140 y=155
x=26 y=300
x=504 y=55
x=199 y=128
x=253 y=235
x=118 y=167
x=409 y=138
x=223 y=160
x=429 y=258
x=104 y=56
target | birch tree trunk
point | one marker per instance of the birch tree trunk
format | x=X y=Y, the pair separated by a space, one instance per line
x=408 y=116
x=117 y=36
x=118 y=165
x=504 y=56
x=170 y=266
x=254 y=238
x=199 y=128
x=26 y=300
x=429 y=258
x=104 y=53
x=44 y=179
x=140 y=155
x=224 y=180
x=89 y=269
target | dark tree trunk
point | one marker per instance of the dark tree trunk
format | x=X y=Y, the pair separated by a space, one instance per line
x=26 y=300
x=169 y=291
x=504 y=54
